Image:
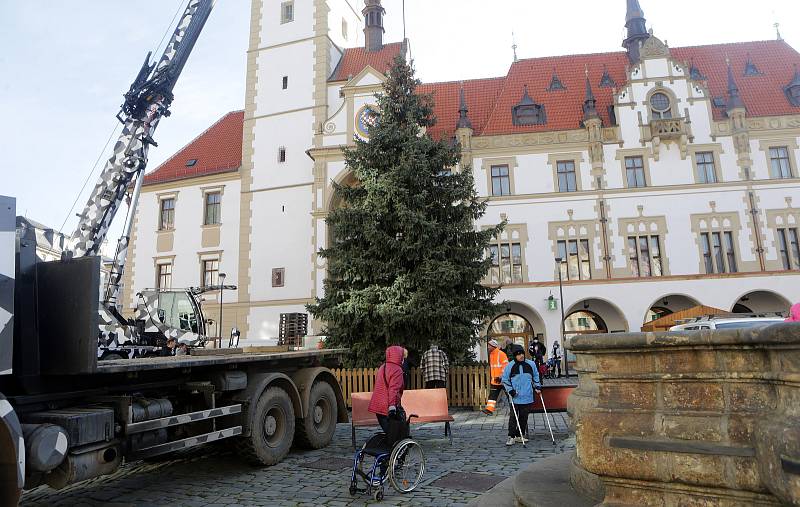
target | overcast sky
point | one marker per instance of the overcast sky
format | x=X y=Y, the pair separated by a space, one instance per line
x=65 y=64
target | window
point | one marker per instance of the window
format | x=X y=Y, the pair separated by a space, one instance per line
x=167 y=220
x=567 y=179
x=285 y=82
x=213 y=214
x=344 y=28
x=634 y=169
x=210 y=272
x=281 y=154
x=506 y=263
x=644 y=253
x=191 y=162
x=287 y=12
x=660 y=106
x=501 y=184
x=706 y=172
x=779 y=162
x=278 y=276
x=164 y=276
x=575 y=259
x=789 y=248
x=719 y=254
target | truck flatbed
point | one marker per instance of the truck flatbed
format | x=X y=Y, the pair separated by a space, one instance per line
x=177 y=362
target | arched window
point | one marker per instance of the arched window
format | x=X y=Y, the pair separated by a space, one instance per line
x=660 y=106
x=511 y=326
x=584 y=322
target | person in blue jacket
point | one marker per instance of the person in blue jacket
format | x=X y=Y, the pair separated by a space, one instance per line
x=521 y=381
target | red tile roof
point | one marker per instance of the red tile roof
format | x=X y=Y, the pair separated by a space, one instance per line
x=480 y=95
x=354 y=60
x=217 y=150
x=763 y=95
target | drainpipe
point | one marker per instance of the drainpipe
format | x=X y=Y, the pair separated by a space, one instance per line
x=757 y=229
x=603 y=222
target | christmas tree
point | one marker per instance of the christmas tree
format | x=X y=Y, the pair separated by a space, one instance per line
x=405 y=261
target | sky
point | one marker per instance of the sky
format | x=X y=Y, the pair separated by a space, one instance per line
x=65 y=64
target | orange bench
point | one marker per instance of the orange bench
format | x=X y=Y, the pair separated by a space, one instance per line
x=429 y=404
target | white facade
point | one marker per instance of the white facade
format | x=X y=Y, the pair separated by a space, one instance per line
x=292 y=153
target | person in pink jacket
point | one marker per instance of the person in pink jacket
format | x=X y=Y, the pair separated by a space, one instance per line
x=794 y=313
x=389 y=383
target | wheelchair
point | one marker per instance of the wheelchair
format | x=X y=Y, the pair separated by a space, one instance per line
x=402 y=465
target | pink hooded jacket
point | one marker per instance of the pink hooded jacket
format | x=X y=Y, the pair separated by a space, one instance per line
x=388 y=388
x=794 y=313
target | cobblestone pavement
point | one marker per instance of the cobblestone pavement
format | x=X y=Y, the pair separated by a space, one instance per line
x=216 y=477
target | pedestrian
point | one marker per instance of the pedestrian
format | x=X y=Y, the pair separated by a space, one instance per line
x=521 y=381
x=388 y=391
x=794 y=313
x=537 y=351
x=508 y=348
x=169 y=350
x=434 y=368
x=497 y=363
x=406 y=370
x=182 y=350
x=556 y=357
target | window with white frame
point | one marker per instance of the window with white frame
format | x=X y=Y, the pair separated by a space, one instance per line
x=209 y=272
x=167 y=214
x=780 y=167
x=164 y=275
x=287 y=12
x=576 y=262
x=706 y=171
x=719 y=252
x=501 y=181
x=213 y=208
x=634 y=172
x=789 y=247
x=506 y=263
x=644 y=254
x=567 y=178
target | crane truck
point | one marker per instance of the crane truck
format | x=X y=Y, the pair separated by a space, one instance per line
x=65 y=415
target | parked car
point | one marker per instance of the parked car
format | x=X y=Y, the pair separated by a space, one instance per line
x=726 y=323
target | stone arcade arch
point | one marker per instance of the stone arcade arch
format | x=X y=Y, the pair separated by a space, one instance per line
x=761 y=301
x=517 y=321
x=669 y=304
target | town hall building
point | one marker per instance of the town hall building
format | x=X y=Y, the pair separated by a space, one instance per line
x=650 y=180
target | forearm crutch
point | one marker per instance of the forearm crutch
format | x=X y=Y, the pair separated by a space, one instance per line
x=546 y=419
x=516 y=417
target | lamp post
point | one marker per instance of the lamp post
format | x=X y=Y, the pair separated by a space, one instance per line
x=219 y=324
x=559 y=260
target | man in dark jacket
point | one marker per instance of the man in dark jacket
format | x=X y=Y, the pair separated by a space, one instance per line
x=537 y=351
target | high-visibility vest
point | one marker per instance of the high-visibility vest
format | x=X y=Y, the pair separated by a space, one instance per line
x=497 y=363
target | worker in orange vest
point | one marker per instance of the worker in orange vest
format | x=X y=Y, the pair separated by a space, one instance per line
x=497 y=363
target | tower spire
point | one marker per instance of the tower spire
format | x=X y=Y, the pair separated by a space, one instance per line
x=589 y=103
x=637 y=29
x=463 y=110
x=734 y=99
x=373 y=25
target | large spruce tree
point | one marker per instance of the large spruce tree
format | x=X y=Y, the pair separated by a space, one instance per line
x=405 y=261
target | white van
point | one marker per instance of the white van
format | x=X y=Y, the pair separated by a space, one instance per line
x=726 y=323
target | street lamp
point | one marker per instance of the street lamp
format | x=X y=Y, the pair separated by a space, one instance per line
x=219 y=324
x=559 y=260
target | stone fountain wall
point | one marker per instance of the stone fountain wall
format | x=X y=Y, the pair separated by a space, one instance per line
x=707 y=418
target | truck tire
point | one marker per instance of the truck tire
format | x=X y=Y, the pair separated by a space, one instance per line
x=271 y=428
x=316 y=429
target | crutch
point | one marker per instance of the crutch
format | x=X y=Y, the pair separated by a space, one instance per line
x=516 y=417
x=546 y=419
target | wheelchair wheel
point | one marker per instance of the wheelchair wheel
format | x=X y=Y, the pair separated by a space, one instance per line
x=406 y=466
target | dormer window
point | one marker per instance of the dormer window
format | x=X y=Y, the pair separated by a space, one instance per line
x=750 y=69
x=606 y=81
x=555 y=83
x=660 y=106
x=528 y=112
x=191 y=162
x=792 y=90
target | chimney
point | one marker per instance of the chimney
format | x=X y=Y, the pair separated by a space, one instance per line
x=373 y=25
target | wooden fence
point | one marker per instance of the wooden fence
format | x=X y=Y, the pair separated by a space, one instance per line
x=467 y=386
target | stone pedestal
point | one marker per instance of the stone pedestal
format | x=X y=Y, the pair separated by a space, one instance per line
x=706 y=418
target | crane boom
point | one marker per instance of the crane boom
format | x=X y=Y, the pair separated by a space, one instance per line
x=146 y=102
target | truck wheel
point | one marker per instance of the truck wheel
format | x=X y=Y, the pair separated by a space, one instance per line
x=271 y=428
x=316 y=429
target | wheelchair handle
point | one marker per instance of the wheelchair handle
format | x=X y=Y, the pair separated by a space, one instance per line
x=411 y=417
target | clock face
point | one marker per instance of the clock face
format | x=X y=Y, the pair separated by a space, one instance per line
x=365 y=118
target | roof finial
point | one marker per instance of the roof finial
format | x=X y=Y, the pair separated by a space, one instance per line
x=778 y=35
x=514 y=46
x=463 y=110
